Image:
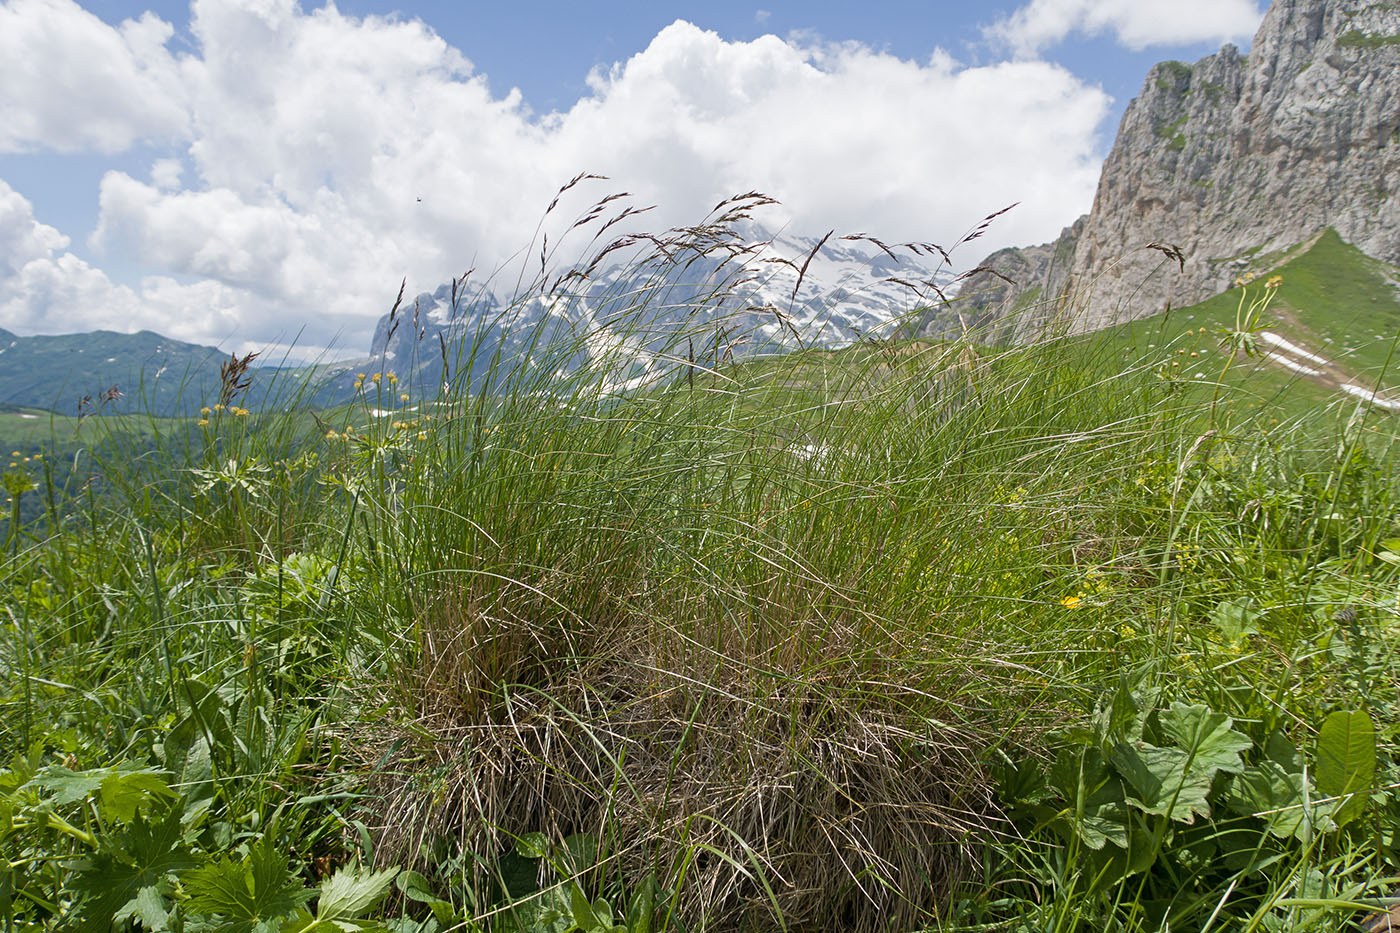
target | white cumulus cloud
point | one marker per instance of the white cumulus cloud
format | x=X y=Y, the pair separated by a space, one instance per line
x=69 y=81
x=45 y=288
x=1136 y=24
x=324 y=157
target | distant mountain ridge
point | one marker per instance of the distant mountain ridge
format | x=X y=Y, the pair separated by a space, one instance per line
x=1230 y=158
x=58 y=372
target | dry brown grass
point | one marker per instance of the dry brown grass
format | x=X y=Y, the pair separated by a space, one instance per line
x=791 y=772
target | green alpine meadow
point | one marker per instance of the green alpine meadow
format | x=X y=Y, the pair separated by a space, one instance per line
x=673 y=572
x=915 y=634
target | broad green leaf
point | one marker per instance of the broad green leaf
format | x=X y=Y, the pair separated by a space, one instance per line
x=1105 y=817
x=253 y=894
x=1236 y=618
x=1124 y=718
x=194 y=774
x=137 y=859
x=584 y=916
x=1346 y=762
x=579 y=853
x=518 y=876
x=642 y=906
x=1208 y=738
x=149 y=907
x=1137 y=854
x=121 y=790
x=1274 y=795
x=123 y=793
x=351 y=892
x=604 y=912
x=1096 y=813
x=532 y=845
x=1279 y=749
x=1162 y=781
x=69 y=786
x=207 y=720
x=1020 y=782
x=300 y=921
x=415 y=887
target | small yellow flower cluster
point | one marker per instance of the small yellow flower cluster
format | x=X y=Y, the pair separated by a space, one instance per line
x=206 y=411
x=375 y=378
x=1274 y=282
x=1245 y=279
x=1073 y=602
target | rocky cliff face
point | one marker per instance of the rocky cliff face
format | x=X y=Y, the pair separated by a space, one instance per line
x=1229 y=158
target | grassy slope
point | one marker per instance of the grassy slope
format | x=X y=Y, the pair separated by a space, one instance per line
x=56 y=371
x=167 y=376
x=1334 y=301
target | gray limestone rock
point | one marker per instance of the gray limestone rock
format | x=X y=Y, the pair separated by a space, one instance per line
x=1228 y=158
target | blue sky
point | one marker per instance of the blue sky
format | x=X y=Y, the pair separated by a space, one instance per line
x=225 y=169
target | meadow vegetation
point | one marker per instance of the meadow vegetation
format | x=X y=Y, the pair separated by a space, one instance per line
x=910 y=635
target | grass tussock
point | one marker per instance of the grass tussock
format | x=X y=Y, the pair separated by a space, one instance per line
x=759 y=629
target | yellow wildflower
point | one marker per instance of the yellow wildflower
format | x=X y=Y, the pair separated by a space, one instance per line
x=393 y=379
x=203 y=422
x=218 y=408
x=403 y=396
x=359 y=384
x=374 y=378
x=1072 y=602
x=1274 y=282
x=204 y=411
x=239 y=412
